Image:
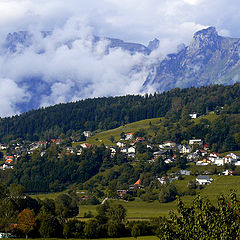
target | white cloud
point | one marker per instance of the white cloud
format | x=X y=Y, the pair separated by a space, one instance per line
x=10 y=95
x=84 y=71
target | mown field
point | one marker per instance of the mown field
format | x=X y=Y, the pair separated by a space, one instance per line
x=126 y=238
x=104 y=137
x=139 y=209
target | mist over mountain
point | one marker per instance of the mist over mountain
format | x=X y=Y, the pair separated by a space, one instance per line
x=45 y=68
x=209 y=59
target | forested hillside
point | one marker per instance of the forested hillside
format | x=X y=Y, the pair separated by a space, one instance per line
x=107 y=113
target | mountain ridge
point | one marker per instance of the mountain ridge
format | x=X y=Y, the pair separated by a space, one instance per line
x=209 y=59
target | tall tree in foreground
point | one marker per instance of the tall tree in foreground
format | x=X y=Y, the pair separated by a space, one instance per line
x=26 y=221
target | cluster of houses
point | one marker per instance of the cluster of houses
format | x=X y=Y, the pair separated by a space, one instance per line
x=195 y=150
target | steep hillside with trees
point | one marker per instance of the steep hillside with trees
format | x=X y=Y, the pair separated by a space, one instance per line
x=107 y=113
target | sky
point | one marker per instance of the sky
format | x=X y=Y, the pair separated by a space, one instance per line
x=60 y=74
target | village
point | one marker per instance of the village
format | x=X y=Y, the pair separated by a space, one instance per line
x=195 y=151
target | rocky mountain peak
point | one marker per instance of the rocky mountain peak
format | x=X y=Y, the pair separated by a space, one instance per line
x=154 y=44
x=205 y=39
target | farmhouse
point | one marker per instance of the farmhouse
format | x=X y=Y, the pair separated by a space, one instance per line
x=129 y=136
x=196 y=142
x=87 y=133
x=5 y=166
x=203 y=180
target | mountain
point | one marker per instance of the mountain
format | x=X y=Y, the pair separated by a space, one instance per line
x=24 y=39
x=209 y=59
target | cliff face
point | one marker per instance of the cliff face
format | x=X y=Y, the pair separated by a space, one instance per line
x=209 y=59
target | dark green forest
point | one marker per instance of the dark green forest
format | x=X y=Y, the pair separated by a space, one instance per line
x=107 y=113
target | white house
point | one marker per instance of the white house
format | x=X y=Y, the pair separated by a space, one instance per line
x=129 y=136
x=168 y=161
x=219 y=161
x=165 y=180
x=186 y=149
x=85 y=145
x=227 y=172
x=124 y=150
x=193 y=115
x=5 y=166
x=203 y=180
x=87 y=133
x=229 y=159
x=185 y=172
x=168 y=144
x=131 y=150
x=233 y=156
x=195 y=141
x=214 y=156
x=120 y=144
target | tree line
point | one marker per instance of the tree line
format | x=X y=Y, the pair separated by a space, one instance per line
x=107 y=113
x=22 y=215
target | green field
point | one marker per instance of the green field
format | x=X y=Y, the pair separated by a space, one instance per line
x=104 y=137
x=139 y=209
x=125 y=238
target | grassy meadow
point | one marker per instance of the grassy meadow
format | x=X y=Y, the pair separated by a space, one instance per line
x=125 y=238
x=104 y=137
x=139 y=209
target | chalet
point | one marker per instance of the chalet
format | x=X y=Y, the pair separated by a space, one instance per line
x=87 y=133
x=70 y=149
x=228 y=159
x=186 y=149
x=132 y=155
x=168 y=144
x=120 y=144
x=162 y=153
x=131 y=150
x=214 y=156
x=233 y=156
x=122 y=193
x=184 y=172
x=140 y=139
x=129 y=136
x=136 y=185
x=165 y=180
x=168 y=161
x=149 y=146
x=220 y=161
x=193 y=115
x=79 y=151
x=85 y=145
x=203 y=180
x=203 y=162
x=198 y=142
x=5 y=166
x=2 y=147
x=206 y=146
x=227 y=172
x=124 y=149
x=192 y=156
x=9 y=159
x=202 y=152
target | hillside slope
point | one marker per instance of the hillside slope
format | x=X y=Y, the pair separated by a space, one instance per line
x=112 y=112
